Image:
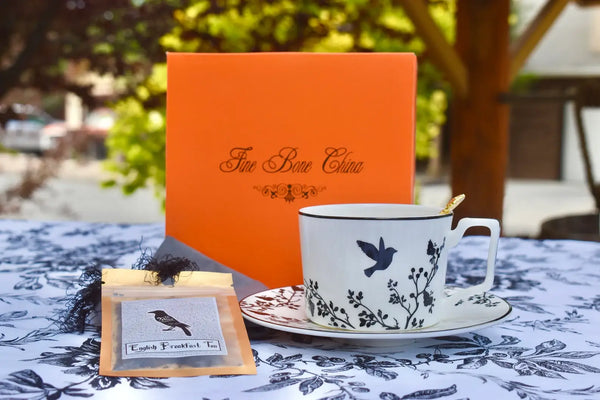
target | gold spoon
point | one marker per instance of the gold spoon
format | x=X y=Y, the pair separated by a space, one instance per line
x=452 y=204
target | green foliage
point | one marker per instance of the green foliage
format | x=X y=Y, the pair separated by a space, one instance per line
x=137 y=141
x=524 y=83
x=136 y=144
x=42 y=41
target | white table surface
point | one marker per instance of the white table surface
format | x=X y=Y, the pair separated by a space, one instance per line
x=549 y=348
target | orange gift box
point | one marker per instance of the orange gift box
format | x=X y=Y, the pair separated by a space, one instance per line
x=254 y=137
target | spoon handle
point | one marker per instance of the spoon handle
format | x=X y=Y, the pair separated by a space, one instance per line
x=452 y=204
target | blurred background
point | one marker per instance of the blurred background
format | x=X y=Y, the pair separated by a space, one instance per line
x=506 y=105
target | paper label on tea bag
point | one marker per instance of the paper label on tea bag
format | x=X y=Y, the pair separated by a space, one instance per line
x=176 y=327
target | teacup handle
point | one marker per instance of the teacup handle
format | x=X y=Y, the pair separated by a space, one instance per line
x=457 y=233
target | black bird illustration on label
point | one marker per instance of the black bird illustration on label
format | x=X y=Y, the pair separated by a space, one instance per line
x=171 y=322
x=383 y=256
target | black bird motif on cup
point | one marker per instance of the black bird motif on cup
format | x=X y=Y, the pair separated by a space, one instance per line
x=171 y=322
x=383 y=256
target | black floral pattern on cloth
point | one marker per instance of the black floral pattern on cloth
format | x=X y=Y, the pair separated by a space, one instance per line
x=472 y=353
x=549 y=347
x=82 y=361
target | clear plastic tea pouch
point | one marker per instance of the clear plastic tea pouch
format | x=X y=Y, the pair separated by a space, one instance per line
x=192 y=327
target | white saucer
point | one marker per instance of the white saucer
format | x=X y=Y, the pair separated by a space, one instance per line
x=283 y=309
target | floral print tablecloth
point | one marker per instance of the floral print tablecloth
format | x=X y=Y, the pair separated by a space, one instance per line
x=548 y=348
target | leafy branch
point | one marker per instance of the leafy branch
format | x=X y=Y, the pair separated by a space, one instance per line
x=367 y=317
x=324 y=308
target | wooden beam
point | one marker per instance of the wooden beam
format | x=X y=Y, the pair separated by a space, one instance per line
x=442 y=53
x=588 y=3
x=522 y=47
x=479 y=130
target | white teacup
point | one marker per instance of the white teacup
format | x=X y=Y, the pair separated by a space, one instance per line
x=381 y=267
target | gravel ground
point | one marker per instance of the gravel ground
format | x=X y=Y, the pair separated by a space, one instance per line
x=75 y=194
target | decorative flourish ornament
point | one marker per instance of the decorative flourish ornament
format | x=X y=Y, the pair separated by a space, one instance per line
x=290 y=191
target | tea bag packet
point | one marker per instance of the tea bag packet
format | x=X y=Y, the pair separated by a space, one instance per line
x=190 y=327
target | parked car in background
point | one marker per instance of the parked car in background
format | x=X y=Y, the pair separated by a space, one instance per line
x=32 y=129
x=94 y=131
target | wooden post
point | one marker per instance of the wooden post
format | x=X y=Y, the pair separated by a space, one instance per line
x=479 y=137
